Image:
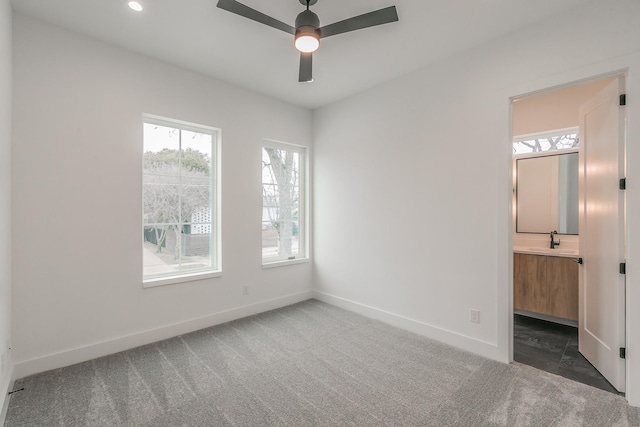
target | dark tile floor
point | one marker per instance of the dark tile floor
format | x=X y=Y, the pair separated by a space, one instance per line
x=554 y=348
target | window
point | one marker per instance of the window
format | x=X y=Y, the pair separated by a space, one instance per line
x=283 y=203
x=180 y=201
x=562 y=139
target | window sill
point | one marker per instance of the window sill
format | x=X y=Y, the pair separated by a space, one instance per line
x=274 y=264
x=163 y=281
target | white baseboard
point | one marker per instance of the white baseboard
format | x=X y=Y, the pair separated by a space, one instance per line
x=473 y=345
x=81 y=354
x=5 y=387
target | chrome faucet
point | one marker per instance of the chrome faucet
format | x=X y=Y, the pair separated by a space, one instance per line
x=553 y=243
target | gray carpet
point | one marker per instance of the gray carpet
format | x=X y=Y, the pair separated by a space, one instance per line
x=304 y=365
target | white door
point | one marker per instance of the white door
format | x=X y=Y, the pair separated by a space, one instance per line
x=602 y=287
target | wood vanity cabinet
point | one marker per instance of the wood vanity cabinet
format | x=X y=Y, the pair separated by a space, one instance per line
x=546 y=284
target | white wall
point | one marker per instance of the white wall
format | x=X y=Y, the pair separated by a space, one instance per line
x=77 y=153
x=413 y=186
x=553 y=110
x=5 y=195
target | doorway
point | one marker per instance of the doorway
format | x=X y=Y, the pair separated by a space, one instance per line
x=568 y=146
x=553 y=347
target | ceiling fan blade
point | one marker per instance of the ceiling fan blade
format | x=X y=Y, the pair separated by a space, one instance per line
x=306 y=67
x=239 y=9
x=377 y=17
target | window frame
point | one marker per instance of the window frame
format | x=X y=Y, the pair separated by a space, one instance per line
x=303 y=205
x=216 y=212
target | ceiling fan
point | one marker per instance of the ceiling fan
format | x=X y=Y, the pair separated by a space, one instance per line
x=307 y=31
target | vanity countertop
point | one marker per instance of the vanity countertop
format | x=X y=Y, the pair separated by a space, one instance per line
x=559 y=252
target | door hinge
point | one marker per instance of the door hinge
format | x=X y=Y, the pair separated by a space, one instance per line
x=623 y=99
x=623 y=353
x=623 y=184
x=623 y=268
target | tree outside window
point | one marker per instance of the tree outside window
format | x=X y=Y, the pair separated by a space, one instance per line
x=282 y=202
x=545 y=142
x=178 y=200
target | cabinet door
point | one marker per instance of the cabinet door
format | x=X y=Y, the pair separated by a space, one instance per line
x=530 y=282
x=562 y=280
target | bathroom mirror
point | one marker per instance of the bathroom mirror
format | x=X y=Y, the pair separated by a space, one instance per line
x=547 y=194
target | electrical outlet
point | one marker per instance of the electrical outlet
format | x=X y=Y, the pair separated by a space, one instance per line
x=245 y=290
x=474 y=316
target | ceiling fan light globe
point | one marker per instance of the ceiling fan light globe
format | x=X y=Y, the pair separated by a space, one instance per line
x=307 y=43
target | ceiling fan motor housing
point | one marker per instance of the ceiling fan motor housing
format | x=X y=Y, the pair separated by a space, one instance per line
x=307 y=21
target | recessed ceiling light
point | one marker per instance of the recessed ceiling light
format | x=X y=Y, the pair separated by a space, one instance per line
x=135 y=5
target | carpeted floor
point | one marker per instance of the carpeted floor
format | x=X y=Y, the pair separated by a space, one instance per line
x=304 y=365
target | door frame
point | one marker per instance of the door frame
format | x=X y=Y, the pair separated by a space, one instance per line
x=509 y=147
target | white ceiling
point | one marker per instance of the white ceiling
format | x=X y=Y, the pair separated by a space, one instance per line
x=196 y=35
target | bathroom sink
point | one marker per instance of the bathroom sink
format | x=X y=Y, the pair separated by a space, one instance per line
x=567 y=252
x=547 y=251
